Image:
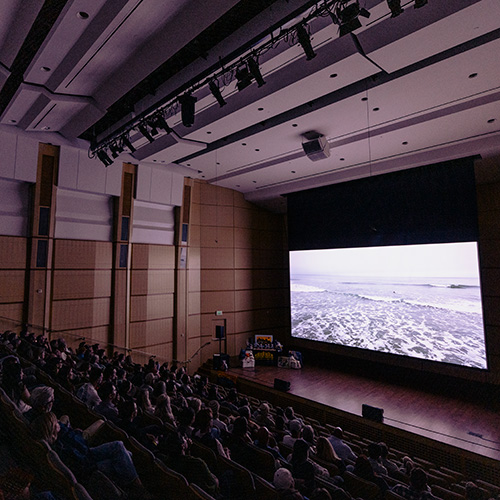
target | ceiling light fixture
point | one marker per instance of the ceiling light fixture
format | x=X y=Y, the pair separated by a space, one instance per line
x=395 y=6
x=103 y=156
x=143 y=129
x=213 y=85
x=126 y=142
x=346 y=14
x=254 y=69
x=187 y=109
x=304 y=39
x=243 y=77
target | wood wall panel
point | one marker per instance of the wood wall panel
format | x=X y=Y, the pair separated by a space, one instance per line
x=12 y=252
x=216 y=215
x=208 y=322
x=194 y=280
x=11 y=316
x=145 y=333
x=81 y=254
x=194 y=258
x=194 y=303
x=150 y=307
x=81 y=284
x=96 y=334
x=217 y=301
x=217 y=280
x=217 y=258
x=12 y=286
x=221 y=237
x=153 y=281
x=75 y=314
x=153 y=256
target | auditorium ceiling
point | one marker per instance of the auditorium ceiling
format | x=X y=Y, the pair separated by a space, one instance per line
x=393 y=92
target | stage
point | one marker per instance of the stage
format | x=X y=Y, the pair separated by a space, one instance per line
x=473 y=426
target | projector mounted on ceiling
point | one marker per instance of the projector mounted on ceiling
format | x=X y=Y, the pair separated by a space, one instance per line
x=315 y=145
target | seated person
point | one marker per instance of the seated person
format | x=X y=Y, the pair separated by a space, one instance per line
x=112 y=458
x=173 y=450
x=342 y=449
x=203 y=432
x=304 y=470
x=374 y=452
x=285 y=485
x=418 y=488
x=107 y=407
x=88 y=391
x=41 y=400
x=364 y=470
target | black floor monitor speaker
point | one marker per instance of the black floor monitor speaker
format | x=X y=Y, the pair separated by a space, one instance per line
x=281 y=385
x=218 y=359
x=372 y=413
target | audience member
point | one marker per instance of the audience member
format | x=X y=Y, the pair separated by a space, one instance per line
x=88 y=391
x=342 y=449
x=417 y=489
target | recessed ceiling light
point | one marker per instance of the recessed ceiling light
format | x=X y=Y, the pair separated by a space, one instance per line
x=491 y=120
x=333 y=75
x=257 y=149
x=260 y=109
x=82 y=15
x=342 y=159
x=154 y=160
x=364 y=98
x=255 y=182
x=208 y=132
x=293 y=171
x=202 y=176
x=12 y=121
x=217 y=163
x=376 y=109
x=45 y=68
x=188 y=164
x=295 y=124
x=243 y=143
x=404 y=143
x=473 y=75
x=45 y=128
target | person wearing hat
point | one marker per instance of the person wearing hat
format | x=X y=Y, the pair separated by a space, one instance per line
x=41 y=401
x=285 y=485
x=295 y=428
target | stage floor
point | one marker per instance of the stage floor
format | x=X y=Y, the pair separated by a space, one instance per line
x=440 y=417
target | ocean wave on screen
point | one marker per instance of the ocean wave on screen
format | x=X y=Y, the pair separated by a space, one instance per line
x=297 y=287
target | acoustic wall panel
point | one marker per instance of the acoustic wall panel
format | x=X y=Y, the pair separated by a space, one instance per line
x=14 y=207
x=83 y=216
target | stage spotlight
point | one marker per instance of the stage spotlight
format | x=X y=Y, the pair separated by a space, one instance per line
x=243 y=77
x=395 y=6
x=253 y=66
x=347 y=16
x=214 y=88
x=115 y=149
x=160 y=122
x=143 y=129
x=103 y=156
x=305 y=42
x=420 y=3
x=187 y=109
x=126 y=142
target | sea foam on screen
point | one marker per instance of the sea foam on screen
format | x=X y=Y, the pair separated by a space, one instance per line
x=432 y=317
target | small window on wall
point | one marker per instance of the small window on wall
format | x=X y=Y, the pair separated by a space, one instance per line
x=123 y=255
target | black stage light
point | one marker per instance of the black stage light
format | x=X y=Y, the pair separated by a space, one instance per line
x=115 y=149
x=244 y=77
x=103 y=156
x=305 y=42
x=253 y=66
x=160 y=122
x=395 y=6
x=187 y=109
x=126 y=142
x=420 y=3
x=143 y=129
x=347 y=15
x=213 y=85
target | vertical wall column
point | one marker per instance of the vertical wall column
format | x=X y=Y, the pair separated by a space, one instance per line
x=42 y=238
x=181 y=279
x=120 y=297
